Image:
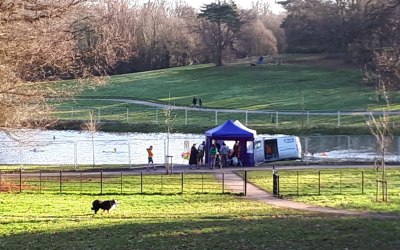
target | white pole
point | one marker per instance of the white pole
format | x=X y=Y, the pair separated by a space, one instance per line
x=72 y=113
x=246 y=116
x=186 y=115
x=127 y=115
x=308 y=118
x=216 y=117
x=338 y=118
x=277 y=119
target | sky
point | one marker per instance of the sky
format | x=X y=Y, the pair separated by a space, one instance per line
x=246 y=4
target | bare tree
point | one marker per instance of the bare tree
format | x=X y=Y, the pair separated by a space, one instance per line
x=385 y=73
x=45 y=41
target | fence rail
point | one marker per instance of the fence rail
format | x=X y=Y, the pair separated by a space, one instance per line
x=190 y=116
x=327 y=182
x=102 y=182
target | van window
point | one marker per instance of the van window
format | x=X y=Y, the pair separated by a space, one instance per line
x=257 y=144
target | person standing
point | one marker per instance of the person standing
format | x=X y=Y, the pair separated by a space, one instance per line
x=224 y=154
x=236 y=152
x=213 y=155
x=200 y=102
x=200 y=154
x=150 y=161
x=194 y=101
x=193 y=156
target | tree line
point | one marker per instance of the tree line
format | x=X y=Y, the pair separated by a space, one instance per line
x=45 y=41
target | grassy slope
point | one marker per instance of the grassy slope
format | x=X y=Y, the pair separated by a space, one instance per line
x=243 y=87
x=180 y=222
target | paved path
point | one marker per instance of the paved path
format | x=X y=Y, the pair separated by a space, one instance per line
x=294 y=112
x=235 y=183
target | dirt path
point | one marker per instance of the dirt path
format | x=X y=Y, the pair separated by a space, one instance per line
x=235 y=183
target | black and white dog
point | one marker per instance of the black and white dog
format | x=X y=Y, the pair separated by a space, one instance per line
x=105 y=205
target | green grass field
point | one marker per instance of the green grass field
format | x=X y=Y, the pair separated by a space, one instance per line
x=296 y=87
x=341 y=188
x=180 y=222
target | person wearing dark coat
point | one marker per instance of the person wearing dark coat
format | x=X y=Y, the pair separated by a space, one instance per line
x=193 y=156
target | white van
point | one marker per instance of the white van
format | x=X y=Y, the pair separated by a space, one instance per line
x=276 y=148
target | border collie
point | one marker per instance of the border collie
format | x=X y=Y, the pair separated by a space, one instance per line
x=105 y=205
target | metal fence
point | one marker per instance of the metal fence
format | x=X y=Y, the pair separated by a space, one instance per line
x=329 y=182
x=121 y=182
x=209 y=117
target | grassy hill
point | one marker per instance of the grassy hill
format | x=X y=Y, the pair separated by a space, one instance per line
x=300 y=83
x=240 y=86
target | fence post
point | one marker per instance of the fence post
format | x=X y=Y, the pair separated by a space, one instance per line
x=121 y=182
x=182 y=183
x=297 y=183
x=223 y=183
x=245 y=183
x=141 y=182
x=0 y=181
x=60 y=181
x=362 y=182
x=340 y=182
x=40 y=182
x=98 y=115
x=129 y=155
x=216 y=117
x=276 y=118
x=338 y=118
x=75 y=154
x=127 y=115
x=186 y=116
x=162 y=183
x=20 y=180
x=101 y=182
x=246 y=116
x=308 y=118
x=202 y=182
x=156 y=115
x=319 y=182
x=81 y=180
x=72 y=113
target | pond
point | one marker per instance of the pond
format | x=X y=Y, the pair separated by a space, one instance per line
x=49 y=147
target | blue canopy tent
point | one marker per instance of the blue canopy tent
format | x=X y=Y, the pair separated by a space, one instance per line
x=233 y=131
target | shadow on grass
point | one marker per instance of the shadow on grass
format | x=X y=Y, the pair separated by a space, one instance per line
x=215 y=232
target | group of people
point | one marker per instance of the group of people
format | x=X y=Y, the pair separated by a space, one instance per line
x=194 y=102
x=220 y=155
x=197 y=155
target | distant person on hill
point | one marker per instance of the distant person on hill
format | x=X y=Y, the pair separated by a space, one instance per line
x=194 y=101
x=200 y=102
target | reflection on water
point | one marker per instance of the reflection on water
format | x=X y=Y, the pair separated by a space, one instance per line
x=76 y=148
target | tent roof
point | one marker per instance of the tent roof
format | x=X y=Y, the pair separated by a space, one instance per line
x=230 y=130
x=239 y=124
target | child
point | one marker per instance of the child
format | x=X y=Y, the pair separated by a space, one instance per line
x=150 y=158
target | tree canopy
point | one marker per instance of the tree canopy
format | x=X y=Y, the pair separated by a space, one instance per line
x=219 y=27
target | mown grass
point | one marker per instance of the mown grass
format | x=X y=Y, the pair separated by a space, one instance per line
x=341 y=188
x=180 y=222
x=235 y=86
